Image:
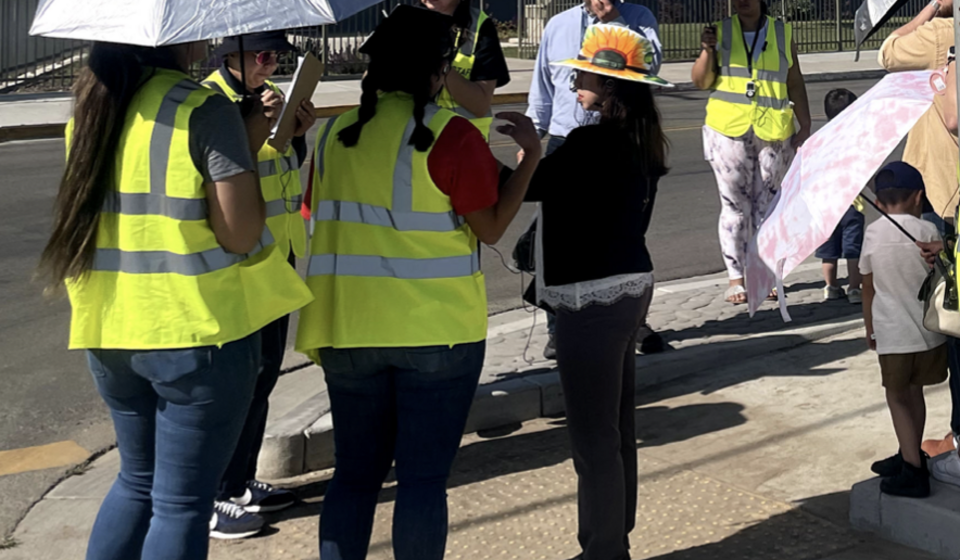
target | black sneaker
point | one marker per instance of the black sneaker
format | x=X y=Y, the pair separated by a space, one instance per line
x=260 y=497
x=912 y=482
x=891 y=466
x=231 y=521
x=652 y=344
x=550 y=351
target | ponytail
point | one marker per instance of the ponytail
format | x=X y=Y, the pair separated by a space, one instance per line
x=103 y=93
x=399 y=71
x=422 y=137
x=368 y=108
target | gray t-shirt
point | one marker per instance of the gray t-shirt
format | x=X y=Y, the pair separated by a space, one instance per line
x=218 y=140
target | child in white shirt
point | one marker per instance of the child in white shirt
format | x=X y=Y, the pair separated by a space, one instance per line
x=911 y=357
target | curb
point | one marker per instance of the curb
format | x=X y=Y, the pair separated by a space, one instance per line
x=928 y=525
x=302 y=441
x=42 y=131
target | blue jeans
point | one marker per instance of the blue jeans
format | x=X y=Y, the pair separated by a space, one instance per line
x=177 y=415
x=407 y=405
x=953 y=344
x=242 y=467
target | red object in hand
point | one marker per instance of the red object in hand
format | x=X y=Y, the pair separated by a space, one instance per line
x=305 y=209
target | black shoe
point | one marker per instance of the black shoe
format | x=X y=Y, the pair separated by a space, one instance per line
x=653 y=344
x=912 y=482
x=231 y=521
x=550 y=351
x=891 y=466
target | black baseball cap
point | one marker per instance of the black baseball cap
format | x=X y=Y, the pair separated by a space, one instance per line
x=898 y=175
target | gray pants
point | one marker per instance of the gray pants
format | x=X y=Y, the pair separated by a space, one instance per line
x=597 y=359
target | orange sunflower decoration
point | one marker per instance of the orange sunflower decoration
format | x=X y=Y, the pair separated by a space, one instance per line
x=617 y=52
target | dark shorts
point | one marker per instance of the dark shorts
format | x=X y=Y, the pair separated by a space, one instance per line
x=920 y=368
x=847 y=238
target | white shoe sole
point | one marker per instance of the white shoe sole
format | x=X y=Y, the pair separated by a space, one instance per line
x=233 y=536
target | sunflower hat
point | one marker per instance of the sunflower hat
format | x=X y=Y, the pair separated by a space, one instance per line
x=618 y=52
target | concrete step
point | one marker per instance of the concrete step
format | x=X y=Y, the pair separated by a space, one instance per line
x=929 y=524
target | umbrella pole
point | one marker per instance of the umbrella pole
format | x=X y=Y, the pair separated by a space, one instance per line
x=243 y=65
x=887 y=216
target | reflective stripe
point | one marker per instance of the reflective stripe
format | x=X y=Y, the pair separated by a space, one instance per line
x=150 y=204
x=387 y=267
x=356 y=213
x=276 y=208
x=403 y=171
x=742 y=99
x=295 y=203
x=321 y=146
x=165 y=262
x=268 y=168
x=467 y=47
x=784 y=49
x=162 y=136
x=779 y=76
x=401 y=215
x=738 y=72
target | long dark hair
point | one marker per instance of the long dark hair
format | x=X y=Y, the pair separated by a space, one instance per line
x=409 y=70
x=632 y=109
x=103 y=93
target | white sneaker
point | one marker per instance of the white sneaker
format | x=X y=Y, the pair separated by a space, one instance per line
x=855 y=296
x=946 y=468
x=831 y=293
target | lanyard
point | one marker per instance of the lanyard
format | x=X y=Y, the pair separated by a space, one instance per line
x=753 y=47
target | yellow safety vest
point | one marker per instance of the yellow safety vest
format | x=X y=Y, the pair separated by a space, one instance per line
x=769 y=112
x=391 y=264
x=160 y=279
x=463 y=64
x=279 y=181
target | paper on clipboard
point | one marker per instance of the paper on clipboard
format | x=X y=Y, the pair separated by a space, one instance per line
x=304 y=84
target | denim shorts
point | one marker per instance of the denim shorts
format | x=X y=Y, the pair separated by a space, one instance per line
x=846 y=240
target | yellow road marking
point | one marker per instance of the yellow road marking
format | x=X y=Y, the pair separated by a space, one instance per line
x=60 y=454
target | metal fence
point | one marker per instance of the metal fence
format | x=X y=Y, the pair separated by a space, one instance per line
x=38 y=64
x=30 y=64
x=819 y=25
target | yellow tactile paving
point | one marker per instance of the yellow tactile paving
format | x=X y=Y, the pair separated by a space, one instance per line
x=60 y=454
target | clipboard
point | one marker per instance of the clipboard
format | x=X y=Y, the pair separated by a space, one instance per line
x=303 y=86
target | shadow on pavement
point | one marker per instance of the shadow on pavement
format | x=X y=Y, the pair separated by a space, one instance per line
x=493 y=458
x=768 y=320
x=735 y=371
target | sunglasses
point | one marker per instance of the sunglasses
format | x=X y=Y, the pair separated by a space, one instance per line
x=266 y=57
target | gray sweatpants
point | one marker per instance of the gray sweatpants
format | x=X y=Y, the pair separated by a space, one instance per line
x=596 y=353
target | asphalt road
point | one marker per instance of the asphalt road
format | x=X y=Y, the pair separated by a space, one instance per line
x=45 y=392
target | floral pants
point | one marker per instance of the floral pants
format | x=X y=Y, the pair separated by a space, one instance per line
x=749 y=171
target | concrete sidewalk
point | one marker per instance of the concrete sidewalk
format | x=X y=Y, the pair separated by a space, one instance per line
x=518 y=385
x=24 y=116
x=752 y=461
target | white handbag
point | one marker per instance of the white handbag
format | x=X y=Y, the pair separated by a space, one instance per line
x=940 y=306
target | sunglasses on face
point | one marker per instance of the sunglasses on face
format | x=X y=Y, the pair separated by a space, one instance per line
x=266 y=57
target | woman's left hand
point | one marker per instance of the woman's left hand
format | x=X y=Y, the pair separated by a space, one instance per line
x=306 y=118
x=800 y=138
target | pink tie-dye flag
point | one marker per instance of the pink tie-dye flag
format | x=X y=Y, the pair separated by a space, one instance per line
x=826 y=176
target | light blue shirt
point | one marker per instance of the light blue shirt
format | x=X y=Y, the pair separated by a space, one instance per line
x=553 y=107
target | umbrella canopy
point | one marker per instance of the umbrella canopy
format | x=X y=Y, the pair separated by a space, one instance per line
x=827 y=175
x=871 y=15
x=154 y=23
